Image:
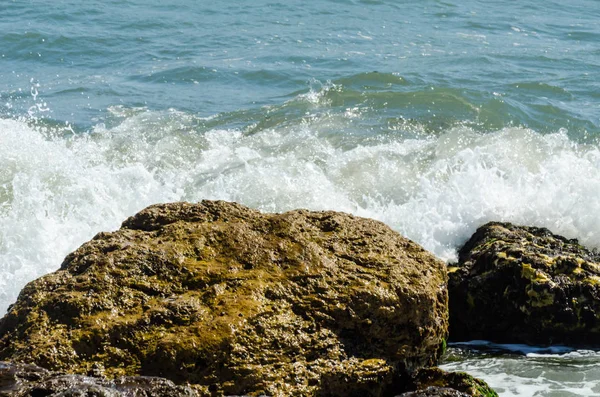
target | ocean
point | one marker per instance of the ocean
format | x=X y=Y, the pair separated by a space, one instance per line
x=431 y=116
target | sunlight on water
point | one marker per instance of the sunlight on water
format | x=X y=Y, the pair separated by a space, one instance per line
x=58 y=190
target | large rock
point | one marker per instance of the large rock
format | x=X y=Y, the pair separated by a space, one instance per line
x=524 y=284
x=238 y=302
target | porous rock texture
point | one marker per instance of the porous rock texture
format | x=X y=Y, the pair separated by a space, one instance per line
x=27 y=380
x=434 y=391
x=437 y=382
x=234 y=301
x=524 y=284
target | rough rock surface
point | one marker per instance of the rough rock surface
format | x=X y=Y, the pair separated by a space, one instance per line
x=435 y=380
x=524 y=284
x=26 y=380
x=238 y=302
x=434 y=391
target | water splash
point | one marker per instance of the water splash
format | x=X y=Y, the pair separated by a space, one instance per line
x=57 y=189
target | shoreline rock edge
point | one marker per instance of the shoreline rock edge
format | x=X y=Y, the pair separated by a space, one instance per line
x=520 y=284
x=234 y=301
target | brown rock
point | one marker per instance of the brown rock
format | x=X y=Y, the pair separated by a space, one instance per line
x=238 y=302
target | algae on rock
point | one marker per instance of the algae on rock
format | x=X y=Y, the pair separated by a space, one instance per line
x=434 y=391
x=519 y=284
x=238 y=302
x=462 y=382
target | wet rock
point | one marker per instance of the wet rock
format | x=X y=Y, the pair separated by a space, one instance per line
x=14 y=377
x=434 y=391
x=238 y=302
x=26 y=380
x=429 y=381
x=524 y=284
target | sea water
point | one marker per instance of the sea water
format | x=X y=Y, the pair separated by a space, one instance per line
x=431 y=116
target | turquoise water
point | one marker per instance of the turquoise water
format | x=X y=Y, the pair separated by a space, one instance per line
x=432 y=116
x=490 y=63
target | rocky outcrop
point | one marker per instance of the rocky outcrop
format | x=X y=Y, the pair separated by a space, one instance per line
x=26 y=380
x=524 y=284
x=234 y=301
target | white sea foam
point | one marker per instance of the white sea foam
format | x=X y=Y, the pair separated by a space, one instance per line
x=57 y=191
x=526 y=371
x=569 y=375
x=55 y=194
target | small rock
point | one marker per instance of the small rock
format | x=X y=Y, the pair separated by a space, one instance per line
x=434 y=391
x=435 y=380
x=26 y=380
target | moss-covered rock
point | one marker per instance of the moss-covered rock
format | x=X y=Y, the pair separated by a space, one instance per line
x=434 y=391
x=525 y=284
x=238 y=302
x=436 y=380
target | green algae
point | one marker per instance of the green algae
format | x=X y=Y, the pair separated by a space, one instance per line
x=534 y=275
x=460 y=381
x=592 y=280
x=540 y=298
